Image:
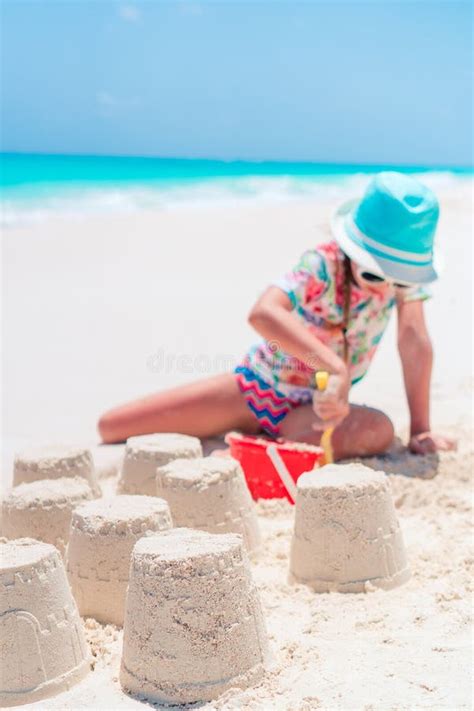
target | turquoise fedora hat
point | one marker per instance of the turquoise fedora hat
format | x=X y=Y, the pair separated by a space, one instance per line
x=390 y=231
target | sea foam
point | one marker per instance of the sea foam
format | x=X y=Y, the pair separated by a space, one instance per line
x=33 y=204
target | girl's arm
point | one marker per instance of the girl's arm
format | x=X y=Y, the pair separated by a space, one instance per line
x=273 y=319
x=416 y=353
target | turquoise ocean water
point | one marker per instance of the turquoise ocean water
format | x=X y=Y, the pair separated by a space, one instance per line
x=37 y=186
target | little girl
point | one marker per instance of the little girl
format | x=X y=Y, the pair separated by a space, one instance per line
x=329 y=313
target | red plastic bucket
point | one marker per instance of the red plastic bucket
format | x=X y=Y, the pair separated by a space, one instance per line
x=262 y=478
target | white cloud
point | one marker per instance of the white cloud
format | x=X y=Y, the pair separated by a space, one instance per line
x=105 y=99
x=109 y=105
x=190 y=8
x=129 y=13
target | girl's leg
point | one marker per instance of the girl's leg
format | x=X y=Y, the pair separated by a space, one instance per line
x=364 y=432
x=203 y=409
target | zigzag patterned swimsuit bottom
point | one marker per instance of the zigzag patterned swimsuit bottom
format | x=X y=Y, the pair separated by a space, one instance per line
x=269 y=406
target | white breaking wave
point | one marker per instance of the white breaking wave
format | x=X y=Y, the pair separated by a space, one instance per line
x=82 y=202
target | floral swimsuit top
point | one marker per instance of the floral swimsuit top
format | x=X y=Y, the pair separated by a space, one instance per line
x=316 y=289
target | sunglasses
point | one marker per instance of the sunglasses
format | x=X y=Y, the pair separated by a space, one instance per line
x=371 y=278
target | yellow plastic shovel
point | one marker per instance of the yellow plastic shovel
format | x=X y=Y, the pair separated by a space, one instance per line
x=321 y=378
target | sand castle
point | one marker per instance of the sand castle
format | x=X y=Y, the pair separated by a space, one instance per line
x=210 y=494
x=54 y=462
x=145 y=453
x=43 y=509
x=346 y=536
x=103 y=534
x=43 y=647
x=193 y=624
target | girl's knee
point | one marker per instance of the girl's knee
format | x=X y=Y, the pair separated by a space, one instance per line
x=386 y=432
x=370 y=432
x=379 y=435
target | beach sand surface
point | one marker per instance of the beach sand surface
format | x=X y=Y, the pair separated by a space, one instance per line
x=106 y=308
x=409 y=648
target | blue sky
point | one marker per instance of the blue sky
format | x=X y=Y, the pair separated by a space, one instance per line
x=352 y=82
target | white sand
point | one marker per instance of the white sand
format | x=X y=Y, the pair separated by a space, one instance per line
x=131 y=292
x=408 y=648
x=126 y=305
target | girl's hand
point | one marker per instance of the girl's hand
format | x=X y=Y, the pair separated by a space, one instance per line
x=429 y=442
x=332 y=405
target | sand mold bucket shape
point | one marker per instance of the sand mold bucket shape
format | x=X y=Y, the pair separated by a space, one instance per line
x=194 y=627
x=210 y=494
x=346 y=536
x=44 y=651
x=103 y=533
x=145 y=453
x=54 y=462
x=43 y=509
